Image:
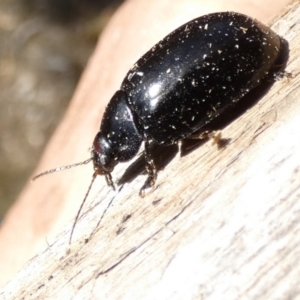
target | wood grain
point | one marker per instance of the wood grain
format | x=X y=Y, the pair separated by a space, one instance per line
x=220 y=224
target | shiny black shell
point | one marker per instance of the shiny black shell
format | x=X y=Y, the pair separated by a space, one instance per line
x=197 y=71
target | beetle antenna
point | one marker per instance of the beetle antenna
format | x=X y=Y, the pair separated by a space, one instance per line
x=82 y=203
x=62 y=168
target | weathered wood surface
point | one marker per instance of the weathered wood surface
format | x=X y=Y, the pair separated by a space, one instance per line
x=220 y=224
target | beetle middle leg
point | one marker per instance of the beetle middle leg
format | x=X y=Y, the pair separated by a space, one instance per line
x=150 y=169
x=215 y=135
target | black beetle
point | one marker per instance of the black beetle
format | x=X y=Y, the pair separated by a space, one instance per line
x=182 y=83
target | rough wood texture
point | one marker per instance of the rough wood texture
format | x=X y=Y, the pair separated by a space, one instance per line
x=221 y=224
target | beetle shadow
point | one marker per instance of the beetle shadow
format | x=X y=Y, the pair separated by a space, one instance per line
x=163 y=155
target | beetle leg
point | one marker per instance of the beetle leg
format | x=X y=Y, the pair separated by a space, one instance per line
x=150 y=169
x=279 y=75
x=215 y=135
x=109 y=181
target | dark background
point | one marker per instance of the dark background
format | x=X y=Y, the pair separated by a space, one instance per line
x=44 y=47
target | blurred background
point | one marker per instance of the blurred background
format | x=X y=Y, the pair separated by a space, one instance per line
x=44 y=47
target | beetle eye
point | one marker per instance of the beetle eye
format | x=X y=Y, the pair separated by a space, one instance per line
x=97 y=145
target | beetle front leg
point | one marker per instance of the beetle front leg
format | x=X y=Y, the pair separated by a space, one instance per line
x=150 y=169
x=109 y=181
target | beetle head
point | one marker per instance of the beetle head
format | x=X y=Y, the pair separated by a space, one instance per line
x=102 y=155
